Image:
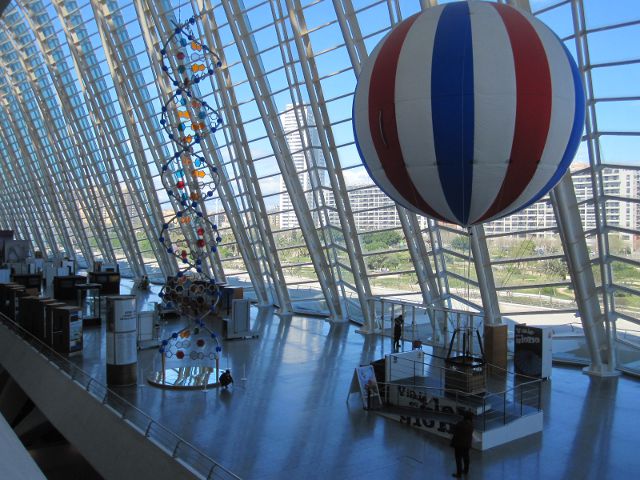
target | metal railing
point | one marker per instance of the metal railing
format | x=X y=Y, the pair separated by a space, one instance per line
x=496 y=408
x=179 y=449
x=492 y=410
x=428 y=323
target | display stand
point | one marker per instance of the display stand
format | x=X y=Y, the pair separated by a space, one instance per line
x=239 y=322
x=110 y=282
x=69 y=265
x=48 y=321
x=364 y=382
x=10 y=293
x=66 y=330
x=465 y=371
x=229 y=294
x=39 y=316
x=36 y=265
x=25 y=312
x=49 y=272
x=122 y=354
x=532 y=351
x=64 y=287
x=31 y=281
x=5 y=275
x=89 y=301
x=148 y=330
x=495 y=346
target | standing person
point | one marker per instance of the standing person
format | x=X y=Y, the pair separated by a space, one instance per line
x=461 y=442
x=397 y=332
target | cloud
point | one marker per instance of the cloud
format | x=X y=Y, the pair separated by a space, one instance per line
x=357 y=176
x=270 y=185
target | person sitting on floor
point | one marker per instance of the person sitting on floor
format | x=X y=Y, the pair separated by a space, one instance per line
x=226 y=379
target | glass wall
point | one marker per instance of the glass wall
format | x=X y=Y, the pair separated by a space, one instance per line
x=301 y=220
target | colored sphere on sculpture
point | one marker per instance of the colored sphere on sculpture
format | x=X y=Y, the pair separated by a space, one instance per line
x=468 y=112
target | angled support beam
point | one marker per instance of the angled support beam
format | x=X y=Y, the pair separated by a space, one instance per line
x=329 y=151
x=565 y=206
x=429 y=286
x=247 y=171
x=486 y=284
x=255 y=71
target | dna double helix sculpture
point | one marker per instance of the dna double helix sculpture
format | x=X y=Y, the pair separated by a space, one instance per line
x=189 y=235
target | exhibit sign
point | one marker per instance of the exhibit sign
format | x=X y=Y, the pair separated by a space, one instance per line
x=364 y=381
x=239 y=323
x=16 y=251
x=75 y=332
x=532 y=351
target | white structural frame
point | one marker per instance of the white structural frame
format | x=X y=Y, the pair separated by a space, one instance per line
x=80 y=93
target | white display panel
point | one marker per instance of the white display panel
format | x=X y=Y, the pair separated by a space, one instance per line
x=122 y=348
x=121 y=330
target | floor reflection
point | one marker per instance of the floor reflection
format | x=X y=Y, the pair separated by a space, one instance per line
x=287 y=416
x=184 y=378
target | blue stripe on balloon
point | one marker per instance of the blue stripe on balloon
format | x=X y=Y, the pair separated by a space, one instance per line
x=452 y=106
x=576 y=130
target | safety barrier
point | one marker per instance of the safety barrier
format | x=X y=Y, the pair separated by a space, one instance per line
x=179 y=449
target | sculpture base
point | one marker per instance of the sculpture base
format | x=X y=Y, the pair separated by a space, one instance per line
x=185 y=378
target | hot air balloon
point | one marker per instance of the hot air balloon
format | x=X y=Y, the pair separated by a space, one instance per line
x=468 y=112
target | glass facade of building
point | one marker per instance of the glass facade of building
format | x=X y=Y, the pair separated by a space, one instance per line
x=303 y=225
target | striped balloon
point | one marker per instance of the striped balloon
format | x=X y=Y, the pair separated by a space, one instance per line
x=468 y=112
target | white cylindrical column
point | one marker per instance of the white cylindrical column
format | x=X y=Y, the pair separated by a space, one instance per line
x=122 y=353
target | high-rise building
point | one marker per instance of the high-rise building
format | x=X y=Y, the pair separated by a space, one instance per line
x=619 y=184
x=372 y=209
x=304 y=145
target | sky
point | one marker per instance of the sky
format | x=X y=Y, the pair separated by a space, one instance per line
x=605 y=46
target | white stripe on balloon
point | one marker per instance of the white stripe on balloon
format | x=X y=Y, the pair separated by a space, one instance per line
x=495 y=99
x=363 y=132
x=415 y=125
x=562 y=114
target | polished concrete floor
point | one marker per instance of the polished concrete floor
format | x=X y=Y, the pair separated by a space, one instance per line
x=287 y=415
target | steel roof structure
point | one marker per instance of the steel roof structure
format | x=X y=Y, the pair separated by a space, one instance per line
x=81 y=149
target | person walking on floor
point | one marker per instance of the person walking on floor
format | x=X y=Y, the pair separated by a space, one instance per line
x=397 y=332
x=461 y=443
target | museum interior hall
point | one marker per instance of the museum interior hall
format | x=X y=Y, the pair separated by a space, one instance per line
x=311 y=239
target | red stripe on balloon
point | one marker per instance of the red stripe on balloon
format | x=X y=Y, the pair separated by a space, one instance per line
x=533 y=107
x=382 y=117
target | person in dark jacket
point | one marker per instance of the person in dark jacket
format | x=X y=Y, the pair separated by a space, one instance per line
x=226 y=379
x=461 y=443
x=397 y=332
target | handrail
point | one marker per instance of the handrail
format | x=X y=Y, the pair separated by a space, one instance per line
x=486 y=414
x=484 y=399
x=205 y=467
x=493 y=366
x=441 y=319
